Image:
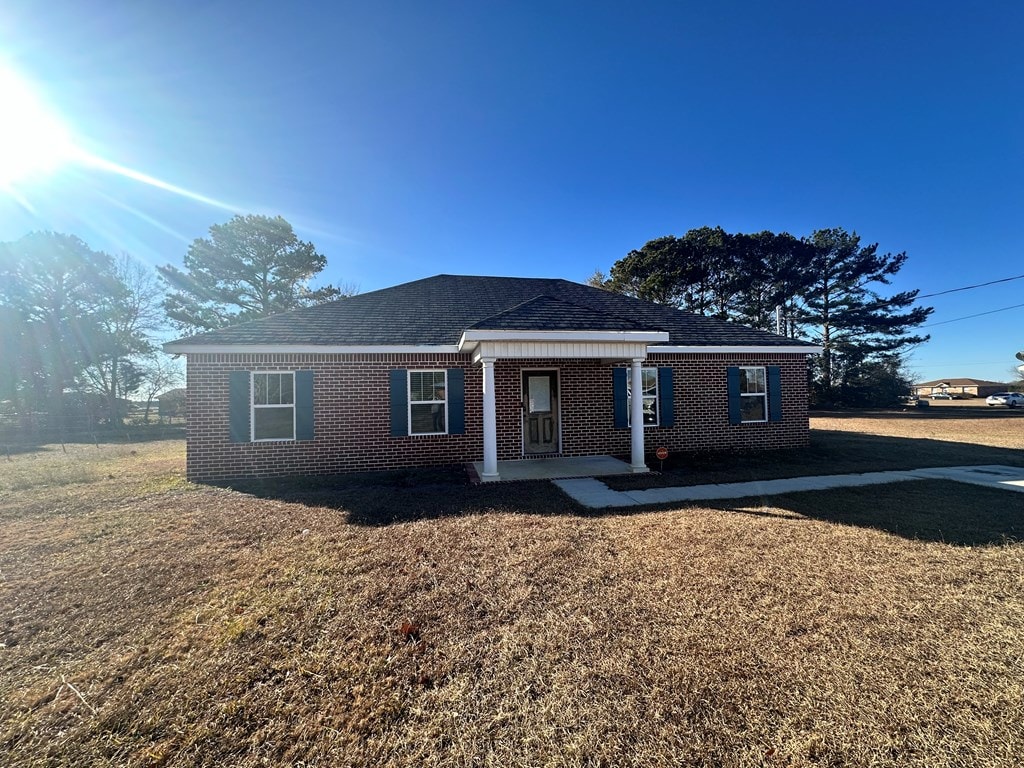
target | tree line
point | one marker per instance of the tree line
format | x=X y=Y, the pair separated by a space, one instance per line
x=78 y=322
x=827 y=288
x=80 y=327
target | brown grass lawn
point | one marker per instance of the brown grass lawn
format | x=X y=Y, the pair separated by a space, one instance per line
x=943 y=435
x=392 y=621
x=955 y=421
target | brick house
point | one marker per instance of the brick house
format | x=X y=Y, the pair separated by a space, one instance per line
x=962 y=387
x=453 y=369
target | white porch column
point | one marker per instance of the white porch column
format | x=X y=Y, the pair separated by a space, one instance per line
x=636 y=415
x=490 y=422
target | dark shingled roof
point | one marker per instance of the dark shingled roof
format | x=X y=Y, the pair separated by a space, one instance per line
x=544 y=313
x=436 y=310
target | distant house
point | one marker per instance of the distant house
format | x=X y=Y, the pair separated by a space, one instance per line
x=457 y=369
x=962 y=387
x=171 y=404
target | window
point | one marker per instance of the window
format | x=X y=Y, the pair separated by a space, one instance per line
x=428 y=402
x=753 y=394
x=649 y=388
x=273 y=406
x=658 y=405
x=270 y=406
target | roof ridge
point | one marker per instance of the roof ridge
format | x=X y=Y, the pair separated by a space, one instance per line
x=514 y=307
x=559 y=300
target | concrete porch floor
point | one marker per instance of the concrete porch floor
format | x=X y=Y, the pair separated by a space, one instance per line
x=556 y=468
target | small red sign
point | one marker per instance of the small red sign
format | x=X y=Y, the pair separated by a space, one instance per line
x=662 y=453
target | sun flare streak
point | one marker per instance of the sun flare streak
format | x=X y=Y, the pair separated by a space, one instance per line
x=94 y=161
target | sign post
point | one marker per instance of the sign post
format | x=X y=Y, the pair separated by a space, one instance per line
x=662 y=454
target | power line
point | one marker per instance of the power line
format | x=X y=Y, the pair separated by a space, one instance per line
x=970 y=287
x=968 y=317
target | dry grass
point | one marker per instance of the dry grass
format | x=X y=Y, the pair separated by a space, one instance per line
x=860 y=441
x=968 y=424
x=57 y=466
x=146 y=621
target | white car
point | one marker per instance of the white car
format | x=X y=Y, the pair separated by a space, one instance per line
x=1009 y=399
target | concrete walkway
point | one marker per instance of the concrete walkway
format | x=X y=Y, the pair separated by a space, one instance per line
x=593 y=493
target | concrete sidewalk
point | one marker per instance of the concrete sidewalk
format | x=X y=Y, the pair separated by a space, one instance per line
x=593 y=493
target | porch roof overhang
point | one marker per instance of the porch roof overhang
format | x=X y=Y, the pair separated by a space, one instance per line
x=606 y=345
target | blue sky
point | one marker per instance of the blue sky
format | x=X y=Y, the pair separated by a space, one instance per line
x=547 y=139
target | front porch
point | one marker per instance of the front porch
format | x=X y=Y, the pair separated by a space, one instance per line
x=488 y=346
x=553 y=469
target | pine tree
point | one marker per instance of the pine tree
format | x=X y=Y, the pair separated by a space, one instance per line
x=53 y=289
x=842 y=310
x=250 y=267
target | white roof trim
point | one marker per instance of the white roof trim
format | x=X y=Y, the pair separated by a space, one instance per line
x=808 y=350
x=471 y=337
x=178 y=348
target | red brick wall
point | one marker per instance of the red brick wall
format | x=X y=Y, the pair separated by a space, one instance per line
x=352 y=415
x=351 y=418
x=702 y=409
x=701 y=406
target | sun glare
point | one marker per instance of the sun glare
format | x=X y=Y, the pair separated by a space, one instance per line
x=35 y=142
x=32 y=139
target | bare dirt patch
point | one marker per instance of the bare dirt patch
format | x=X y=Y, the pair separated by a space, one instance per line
x=147 y=621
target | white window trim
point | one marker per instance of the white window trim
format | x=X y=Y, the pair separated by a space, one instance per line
x=629 y=396
x=762 y=395
x=253 y=406
x=410 y=403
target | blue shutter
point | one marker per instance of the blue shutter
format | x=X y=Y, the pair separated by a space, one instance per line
x=456 y=401
x=399 y=402
x=239 y=407
x=733 y=378
x=619 y=395
x=303 y=405
x=666 y=398
x=774 y=393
